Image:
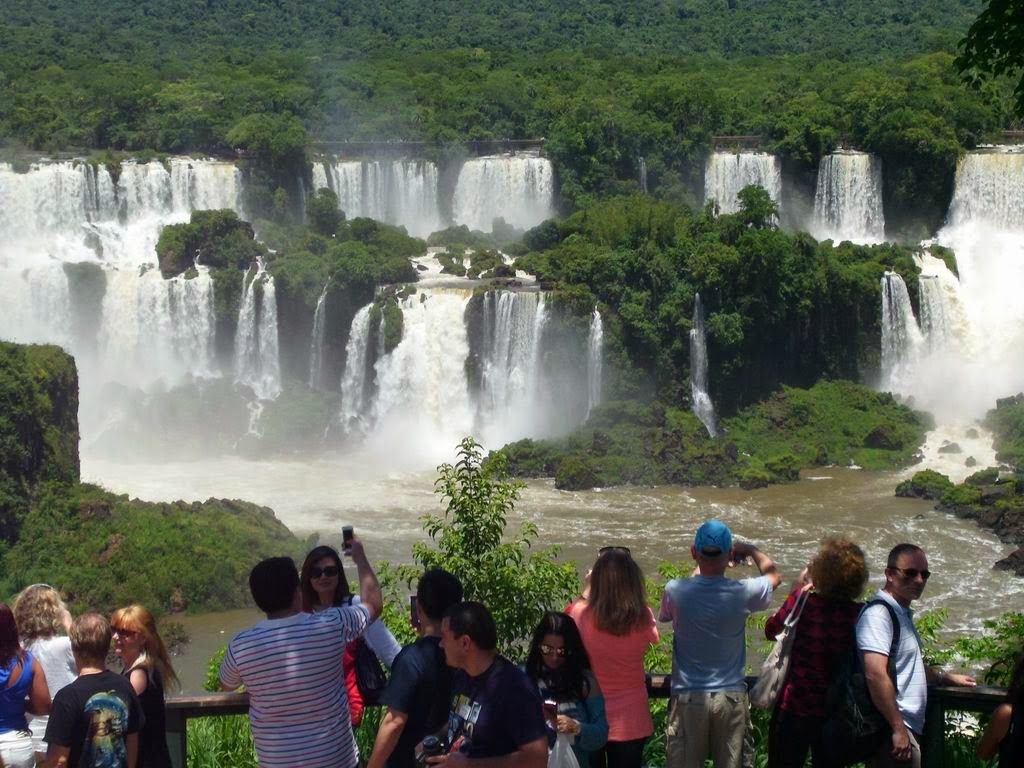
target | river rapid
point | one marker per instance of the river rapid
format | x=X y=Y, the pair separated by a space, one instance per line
x=787 y=521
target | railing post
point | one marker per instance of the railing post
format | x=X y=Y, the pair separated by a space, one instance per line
x=177 y=736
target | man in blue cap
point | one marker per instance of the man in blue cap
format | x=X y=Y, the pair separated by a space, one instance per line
x=708 y=712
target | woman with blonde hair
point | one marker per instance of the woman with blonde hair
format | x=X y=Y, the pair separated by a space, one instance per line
x=43 y=621
x=147 y=665
x=617 y=628
x=832 y=583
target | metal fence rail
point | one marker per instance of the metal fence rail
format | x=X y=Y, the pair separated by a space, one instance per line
x=941 y=699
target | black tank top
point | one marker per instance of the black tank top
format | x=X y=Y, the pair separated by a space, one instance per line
x=153 y=752
x=1011 y=748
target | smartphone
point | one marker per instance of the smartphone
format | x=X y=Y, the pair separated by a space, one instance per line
x=346 y=540
x=414 y=615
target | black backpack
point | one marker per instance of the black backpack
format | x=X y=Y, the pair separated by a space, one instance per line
x=370 y=675
x=854 y=730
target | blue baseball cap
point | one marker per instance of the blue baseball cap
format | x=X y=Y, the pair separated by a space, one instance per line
x=713 y=538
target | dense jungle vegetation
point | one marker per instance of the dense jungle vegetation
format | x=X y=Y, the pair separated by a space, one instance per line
x=604 y=83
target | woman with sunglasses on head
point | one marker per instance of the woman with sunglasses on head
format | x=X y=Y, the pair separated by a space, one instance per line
x=323 y=586
x=22 y=691
x=147 y=665
x=617 y=628
x=43 y=623
x=559 y=665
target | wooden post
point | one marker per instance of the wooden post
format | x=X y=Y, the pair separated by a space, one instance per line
x=177 y=736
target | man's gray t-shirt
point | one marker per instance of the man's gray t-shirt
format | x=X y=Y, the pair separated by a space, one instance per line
x=874 y=633
x=709 y=617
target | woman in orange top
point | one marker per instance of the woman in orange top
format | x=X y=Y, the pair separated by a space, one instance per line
x=617 y=629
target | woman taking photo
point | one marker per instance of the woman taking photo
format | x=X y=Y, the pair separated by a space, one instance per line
x=147 y=665
x=559 y=665
x=323 y=586
x=617 y=628
x=43 y=622
x=22 y=689
x=824 y=637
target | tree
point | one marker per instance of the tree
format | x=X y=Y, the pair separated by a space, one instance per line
x=470 y=541
x=324 y=215
x=994 y=46
x=757 y=209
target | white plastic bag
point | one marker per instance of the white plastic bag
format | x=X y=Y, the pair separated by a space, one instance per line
x=561 y=755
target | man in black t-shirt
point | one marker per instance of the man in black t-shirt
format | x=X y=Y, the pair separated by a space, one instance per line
x=417 y=694
x=496 y=713
x=94 y=720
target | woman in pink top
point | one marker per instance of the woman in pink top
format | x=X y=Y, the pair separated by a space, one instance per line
x=617 y=629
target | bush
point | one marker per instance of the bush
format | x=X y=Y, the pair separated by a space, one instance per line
x=496 y=567
x=927 y=484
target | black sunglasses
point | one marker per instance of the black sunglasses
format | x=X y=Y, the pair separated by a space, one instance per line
x=913 y=573
x=602 y=550
x=328 y=571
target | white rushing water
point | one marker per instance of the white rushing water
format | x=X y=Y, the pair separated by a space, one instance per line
x=257 y=363
x=642 y=169
x=595 y=361
x=517 y=188
x=848 y=199
x=120 y=319
x=316 y=342
x=973 y=328
x=400 y=192
x=353 y=378
x=702 y=406
x=901 y=337
x=726 y=173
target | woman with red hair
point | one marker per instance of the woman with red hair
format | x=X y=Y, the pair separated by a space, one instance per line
x=22 y=688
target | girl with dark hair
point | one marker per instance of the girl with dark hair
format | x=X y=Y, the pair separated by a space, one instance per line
x=22 y=688
x=559 y=665
x=617 y=628
x=323 y=585
x=147 y=665
x=1004 y=735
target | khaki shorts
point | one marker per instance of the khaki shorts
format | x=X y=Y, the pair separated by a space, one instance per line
x=884 y=759
x=702 y=723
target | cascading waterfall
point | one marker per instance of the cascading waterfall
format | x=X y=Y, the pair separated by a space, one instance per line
x=702 y=406
x=353 y=379
x=643 y=176
x=400 y=192
x=75 y=213
x=257 y=364
x=726 y=173
x=848 y=200
x=516 y=188
x=901 y=337
x=316 y=344
x=943 y=322
x=595 y=361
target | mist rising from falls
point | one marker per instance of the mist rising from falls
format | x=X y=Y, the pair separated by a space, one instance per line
x=726 y=173
x=400 y=192
x=974 y=327
x=517 y=188
x=702 y=406
x=848 y=199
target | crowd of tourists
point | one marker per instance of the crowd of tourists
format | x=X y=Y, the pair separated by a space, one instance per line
x=452 y=700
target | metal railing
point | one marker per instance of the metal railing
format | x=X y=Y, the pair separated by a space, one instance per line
x=941 y=699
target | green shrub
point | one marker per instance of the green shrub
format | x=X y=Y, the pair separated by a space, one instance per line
x=927 y=484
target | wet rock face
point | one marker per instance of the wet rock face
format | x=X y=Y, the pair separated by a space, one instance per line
x=1013 y=562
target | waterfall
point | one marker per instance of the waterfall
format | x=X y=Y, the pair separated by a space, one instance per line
x=256 y=347
x=516 y=188
x=901 y=337
x=643 y=176
x=78 y=215
x=943 y=322
x=595 y=361
x=316 y=344
x=990 y=190
x=400 y=192
x=848 y=199
x=702 y=406
x=353 y=379
x=726 y=173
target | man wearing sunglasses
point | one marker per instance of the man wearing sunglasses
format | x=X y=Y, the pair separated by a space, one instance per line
x=902 y=705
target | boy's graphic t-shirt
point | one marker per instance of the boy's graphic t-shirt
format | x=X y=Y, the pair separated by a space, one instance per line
x=496 y=713
x=93 y=717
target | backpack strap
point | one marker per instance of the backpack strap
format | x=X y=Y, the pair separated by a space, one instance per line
x=894 y=646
